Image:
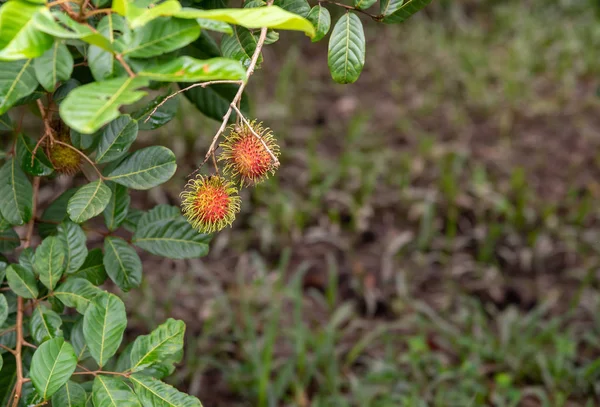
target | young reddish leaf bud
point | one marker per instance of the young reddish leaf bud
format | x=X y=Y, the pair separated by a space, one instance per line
x=210 y=203
x=245 y=155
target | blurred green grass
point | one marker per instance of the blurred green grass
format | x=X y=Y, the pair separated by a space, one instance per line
x=431 y=238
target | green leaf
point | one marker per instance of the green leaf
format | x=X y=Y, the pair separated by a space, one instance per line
x=137 y=16
x=162 y=344
x=240 y=46
x=89 y=201
x=175 y=239
x=44 y=20
x=63 y=90
x=163 y=115
x=40 y=165
x=132 y=219
x=346 y=56
x=17 y=80
x=77 y=293
x=90 y=106
x=300 y=7
x=74 y=241
x=3 y=309
x=21 y=281
x=113 y=392
x=70 y=395
x=213 y=101
x=321 y=19
x=19 y=39
x=101 y=62
x=270 y=17
x=8 y=379
x=116 y=139
x=56 y=64
x=153 y=392
x=103 y=325
x=118 y=206
x=146 y=168
x=214 y=25
x=55 y=213
x=50 y=261
x=272 y=37
x=16 y=193
x=364 y=4
x=52 y=365
x=159 y=36
x=122 y=263
x=44 y=324
x=5 y=122
x=9 y=240
x=84 y=141
x=397 y=11
x=77 y=339
x=27 y=258
x=92 y=268
x=188 y=69
x=158 y=214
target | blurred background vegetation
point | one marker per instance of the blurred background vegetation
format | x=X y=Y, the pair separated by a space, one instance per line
x=432 y=236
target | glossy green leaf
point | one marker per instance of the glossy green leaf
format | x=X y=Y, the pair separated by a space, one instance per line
x=27 y=258
x=92 y=268
x=159 y=36
x=240 y=46
x=89 y=201
x=116 y=210
x=90 y=106
x=139 y=13
x=101 y=62
x=70 y=395
x=77 y=293
x=300 y=7
x=346 y=56
x=146 y=168
x=22 y=281
x=5 y=121
x=9 y=240
x=103 y=325
x=74 y=241
x=122 y=263
x=116 y=139
x=165 y=343
x=64 y=89
x=174 y=239
x=214 y=25
x=40 y=165
x=77 y=339
x=44 y=324
x=17 y=80
x=213 y=101
x=153 y=392
x=56 y=64
x=110 y=391
x=51 y=366
x=270 y=17
x=188 y=69
x=55 y=213
x=67 y=28
x=50 y=261
x=321 y=19
x=397 y=11
x=163 y=114
x=16 y=193
x=19 y=38
x=3 y=309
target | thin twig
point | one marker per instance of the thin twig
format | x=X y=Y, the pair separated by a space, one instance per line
x=30 y=345
x=6 y=348
x=19 y=326
x=97 y=372
x=37 y=145
x=83 y=155
x=127 y=67
x=347 y=7
x=241 y=116
x=195 y=85
x=99 y=11
x=57 y=2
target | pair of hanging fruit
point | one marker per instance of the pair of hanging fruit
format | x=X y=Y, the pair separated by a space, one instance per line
x=210 y=203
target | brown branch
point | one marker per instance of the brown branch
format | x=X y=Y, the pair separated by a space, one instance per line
x=127 y=67
x=19 y=326
x=347 y=7
x=195 y=85
x=99 y=11
x=6 y=348
x=57 y=2
x=97 y=372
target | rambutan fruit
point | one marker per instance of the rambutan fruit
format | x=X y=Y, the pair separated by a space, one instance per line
x=210 y=203
x=65 y=160
x=246 y=157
